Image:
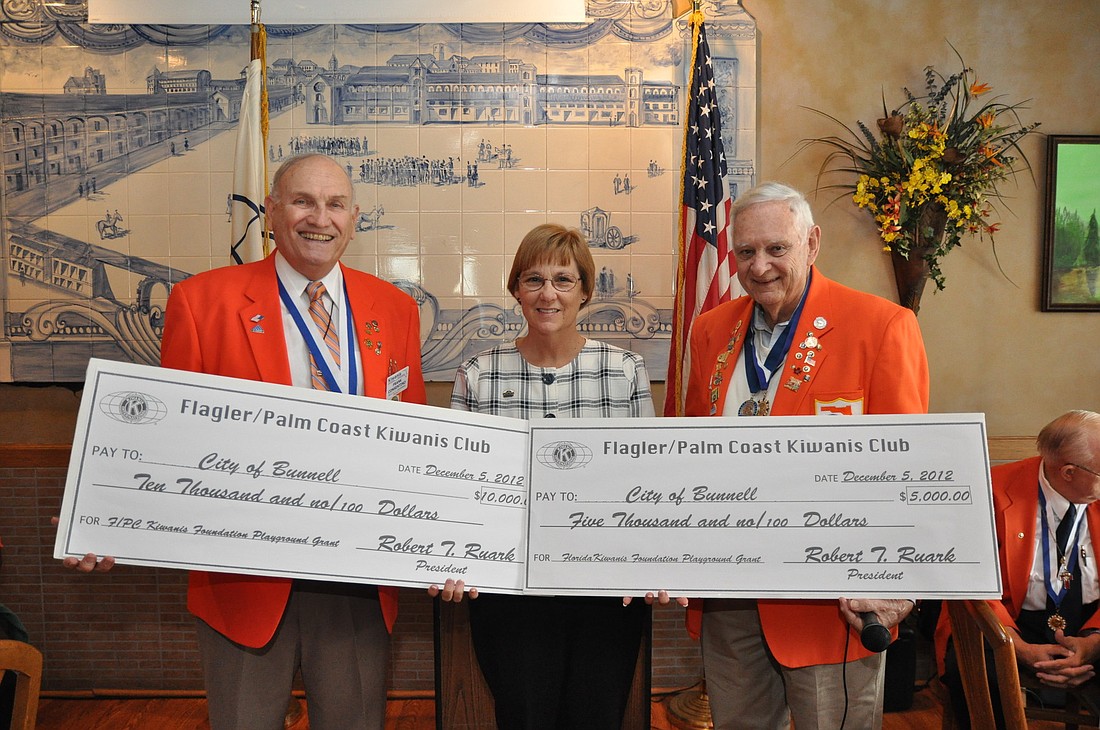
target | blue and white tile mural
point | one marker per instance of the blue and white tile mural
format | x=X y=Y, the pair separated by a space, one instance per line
x=118 y=145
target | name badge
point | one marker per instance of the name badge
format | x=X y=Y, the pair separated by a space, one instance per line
x=396 y=383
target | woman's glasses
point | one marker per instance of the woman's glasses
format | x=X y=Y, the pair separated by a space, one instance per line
x=534 y=282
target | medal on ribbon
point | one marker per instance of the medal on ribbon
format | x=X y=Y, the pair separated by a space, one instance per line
x=1067 y=561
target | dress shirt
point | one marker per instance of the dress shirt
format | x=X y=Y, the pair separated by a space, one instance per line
x=764 y=338
x=334 y=301
x=1056 y=507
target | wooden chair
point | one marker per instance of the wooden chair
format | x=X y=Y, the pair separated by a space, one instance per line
x=1076 y=712
x=463 y=700
x=26 y=662
x=973 y=624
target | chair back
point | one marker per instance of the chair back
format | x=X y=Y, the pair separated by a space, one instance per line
x=26 y=662
x=973 y=625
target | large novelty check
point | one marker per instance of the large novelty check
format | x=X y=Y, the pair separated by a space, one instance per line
x=781 y=507
x=184 y=470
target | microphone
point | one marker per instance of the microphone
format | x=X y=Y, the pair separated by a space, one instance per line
x=875 y=636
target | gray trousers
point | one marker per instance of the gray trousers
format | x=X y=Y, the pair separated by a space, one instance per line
x=749 y=689
x=334 y=633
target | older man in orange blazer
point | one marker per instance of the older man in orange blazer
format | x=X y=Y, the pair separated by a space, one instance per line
x=798 y=344
x=254 y=322
x=1055 y=627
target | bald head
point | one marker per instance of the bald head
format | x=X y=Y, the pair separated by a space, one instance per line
x=307 y=158
x=1070 y=447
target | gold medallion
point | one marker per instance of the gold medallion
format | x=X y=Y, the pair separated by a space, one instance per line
x=1056 y=622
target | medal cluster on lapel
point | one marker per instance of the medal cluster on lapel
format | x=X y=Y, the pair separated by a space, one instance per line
x=805 y=358
x=720 y=365
x=372 y=343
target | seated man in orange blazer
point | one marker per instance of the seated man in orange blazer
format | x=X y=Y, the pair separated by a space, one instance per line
x=1049 y=606
x=798 y=344
x=254 y=322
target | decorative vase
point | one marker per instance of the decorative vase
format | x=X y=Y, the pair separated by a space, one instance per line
x=912 y=273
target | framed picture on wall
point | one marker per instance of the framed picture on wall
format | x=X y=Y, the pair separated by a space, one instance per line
x=1071 y=249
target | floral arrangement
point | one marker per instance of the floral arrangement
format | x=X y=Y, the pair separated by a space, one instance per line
x=930 y=175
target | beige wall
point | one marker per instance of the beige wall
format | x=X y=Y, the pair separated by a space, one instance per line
x=990 y=348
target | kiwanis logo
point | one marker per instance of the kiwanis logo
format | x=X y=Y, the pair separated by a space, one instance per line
x=564 y=455
x=134 y=408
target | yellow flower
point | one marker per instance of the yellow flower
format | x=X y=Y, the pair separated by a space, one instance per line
x=936 y=158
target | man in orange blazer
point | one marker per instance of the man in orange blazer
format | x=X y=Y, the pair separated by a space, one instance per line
x=254 y=322
x=797 y=344
x=1028 y=495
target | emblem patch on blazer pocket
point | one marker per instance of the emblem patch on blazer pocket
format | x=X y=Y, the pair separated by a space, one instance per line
x=839 y=407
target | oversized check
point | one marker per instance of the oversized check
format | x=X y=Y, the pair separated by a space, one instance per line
x=784 y=507
x=183 y=470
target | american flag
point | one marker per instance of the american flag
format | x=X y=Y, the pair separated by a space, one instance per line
x=703 y=264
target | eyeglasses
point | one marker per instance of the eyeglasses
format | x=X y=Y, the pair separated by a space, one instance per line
x=534 y=282
x=1085 y=468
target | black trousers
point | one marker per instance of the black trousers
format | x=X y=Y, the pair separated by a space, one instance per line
x=1033 y=629
x=557 y=663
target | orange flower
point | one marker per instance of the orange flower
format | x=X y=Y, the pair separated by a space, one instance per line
x=991 y=155
x=940 y=154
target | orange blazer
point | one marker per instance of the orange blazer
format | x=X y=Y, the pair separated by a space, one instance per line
x=1016 y=511
x=871 y=360
x=228 y=321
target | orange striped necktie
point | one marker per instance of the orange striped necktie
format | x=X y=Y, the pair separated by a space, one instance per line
x=322 y=319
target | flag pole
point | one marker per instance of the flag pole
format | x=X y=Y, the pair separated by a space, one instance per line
x=689 y=708
x=674 y=385
x=249 y=240
x=258 y=51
